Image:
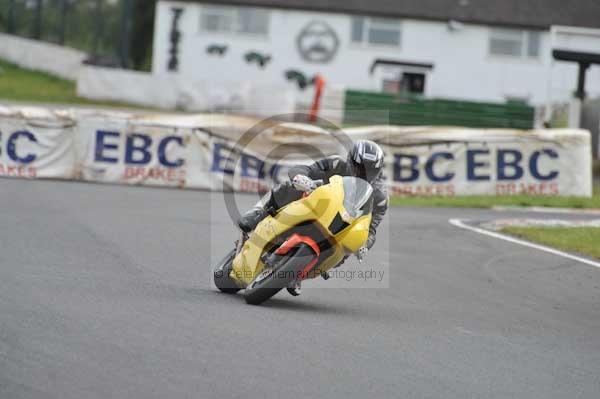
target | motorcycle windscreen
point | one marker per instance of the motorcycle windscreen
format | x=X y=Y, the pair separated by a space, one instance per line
x=356 y=194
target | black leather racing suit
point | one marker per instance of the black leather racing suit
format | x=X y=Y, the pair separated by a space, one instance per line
x=285 y=193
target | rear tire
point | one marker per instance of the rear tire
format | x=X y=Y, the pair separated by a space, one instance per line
x=281 y=275
x=221 y=274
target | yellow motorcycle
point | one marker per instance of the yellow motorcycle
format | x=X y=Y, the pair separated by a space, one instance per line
x=303 y=240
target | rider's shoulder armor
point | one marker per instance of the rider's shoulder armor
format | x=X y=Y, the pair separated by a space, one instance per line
x=334 y=165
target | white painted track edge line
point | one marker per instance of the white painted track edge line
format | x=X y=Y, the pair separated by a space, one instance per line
x=461 y=224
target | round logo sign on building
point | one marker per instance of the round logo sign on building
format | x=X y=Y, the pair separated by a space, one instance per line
x=317 y=42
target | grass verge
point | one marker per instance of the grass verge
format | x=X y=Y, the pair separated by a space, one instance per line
x=18 y=84
x=491 y=201
x=583 y=240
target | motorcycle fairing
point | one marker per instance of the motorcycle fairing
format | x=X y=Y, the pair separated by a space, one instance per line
x=320 y=208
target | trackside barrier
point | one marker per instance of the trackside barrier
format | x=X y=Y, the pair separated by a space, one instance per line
x=413 y=111
x=176 y=92
x=57 y=60
x=217 y=152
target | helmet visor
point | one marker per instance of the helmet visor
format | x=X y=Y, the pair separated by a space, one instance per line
x=365 y=170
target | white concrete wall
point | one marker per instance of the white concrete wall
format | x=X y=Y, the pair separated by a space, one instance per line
x=60 y=61
x=178 y=92
x=464 y=69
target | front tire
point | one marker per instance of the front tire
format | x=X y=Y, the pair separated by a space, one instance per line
x=221 y=274
x=270 y=281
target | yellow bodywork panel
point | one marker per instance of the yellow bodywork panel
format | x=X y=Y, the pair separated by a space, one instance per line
x=321 y=206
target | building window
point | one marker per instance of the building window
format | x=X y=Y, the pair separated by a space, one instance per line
x=377 y=31
x=244 y=20
x=533 y=44
x=253 y=20
x=216 y=19
x=515 y=43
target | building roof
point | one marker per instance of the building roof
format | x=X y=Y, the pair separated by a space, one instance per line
x=539 y=14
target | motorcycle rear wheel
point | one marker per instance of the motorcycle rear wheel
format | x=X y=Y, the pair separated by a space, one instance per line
x=221 y=274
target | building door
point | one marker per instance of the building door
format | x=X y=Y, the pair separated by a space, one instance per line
x=405 y=83
x=401 y=77
x=412 y=83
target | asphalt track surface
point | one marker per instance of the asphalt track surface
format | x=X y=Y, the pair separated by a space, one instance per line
x=105 y=292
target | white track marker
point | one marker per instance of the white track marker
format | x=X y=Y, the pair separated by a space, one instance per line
x=461 y=224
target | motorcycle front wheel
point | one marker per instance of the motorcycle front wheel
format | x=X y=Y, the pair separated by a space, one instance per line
x=272 y=280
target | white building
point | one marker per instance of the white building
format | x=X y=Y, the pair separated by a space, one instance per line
x=456 y=49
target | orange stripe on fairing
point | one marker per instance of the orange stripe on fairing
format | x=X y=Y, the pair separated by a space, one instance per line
x=292 y=242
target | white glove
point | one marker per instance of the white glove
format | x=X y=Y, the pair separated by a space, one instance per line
x=304 y=183
x=361 y=253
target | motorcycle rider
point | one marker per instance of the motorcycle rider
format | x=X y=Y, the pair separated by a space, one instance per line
x=365 y=160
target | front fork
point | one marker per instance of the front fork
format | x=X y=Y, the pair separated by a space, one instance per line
x=239 y=244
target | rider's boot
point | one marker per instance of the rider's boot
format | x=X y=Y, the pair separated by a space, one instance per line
x=249 y=220
x=294 y=288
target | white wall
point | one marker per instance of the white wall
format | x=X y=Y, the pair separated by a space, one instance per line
x=178 y=92
x=463 y=69
x=60 y=61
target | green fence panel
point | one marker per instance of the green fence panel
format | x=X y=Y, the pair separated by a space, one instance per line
x=369 y=107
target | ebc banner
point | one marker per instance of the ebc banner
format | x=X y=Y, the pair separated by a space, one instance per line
x=34 y=145
x=446 y=162
x=118 y=151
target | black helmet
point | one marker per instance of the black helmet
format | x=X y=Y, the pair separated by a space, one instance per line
x=366 y=160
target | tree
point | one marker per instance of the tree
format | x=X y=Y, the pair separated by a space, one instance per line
x=142 y=33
